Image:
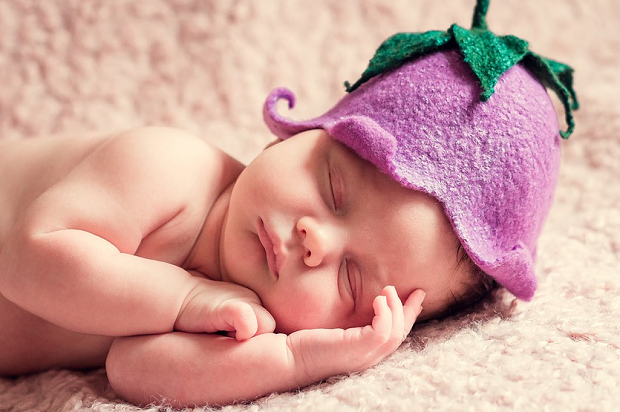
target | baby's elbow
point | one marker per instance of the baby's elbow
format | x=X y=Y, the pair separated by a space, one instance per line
x=4 y=276
x=10 y=286
x=16 y=266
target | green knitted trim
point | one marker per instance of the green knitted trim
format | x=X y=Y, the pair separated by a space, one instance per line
x=488 y=55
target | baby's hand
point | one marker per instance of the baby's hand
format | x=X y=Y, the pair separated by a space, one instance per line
x=326 y=352
x=214 y=306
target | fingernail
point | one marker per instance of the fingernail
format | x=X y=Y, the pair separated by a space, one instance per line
x=420 y=311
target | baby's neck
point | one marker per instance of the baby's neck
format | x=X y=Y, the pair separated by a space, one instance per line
x=205 y=254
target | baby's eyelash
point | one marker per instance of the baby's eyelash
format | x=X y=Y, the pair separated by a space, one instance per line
x=331 y=187
x=336 y=186
x=350 y=279
x=345 y=276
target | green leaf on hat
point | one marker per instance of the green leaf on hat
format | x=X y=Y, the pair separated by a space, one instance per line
x=488 y=55
x=559 y=78
x=399 y=49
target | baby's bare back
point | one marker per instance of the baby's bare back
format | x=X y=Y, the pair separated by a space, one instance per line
x=28 y=167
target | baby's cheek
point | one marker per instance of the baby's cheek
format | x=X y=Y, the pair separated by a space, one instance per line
x=434 y=304
x=307 y=311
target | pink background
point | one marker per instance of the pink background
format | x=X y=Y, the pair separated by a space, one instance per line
x=206 y=66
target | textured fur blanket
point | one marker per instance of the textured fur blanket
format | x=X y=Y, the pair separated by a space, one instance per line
x=207 y=65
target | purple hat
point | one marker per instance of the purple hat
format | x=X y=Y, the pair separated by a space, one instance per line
x=492 y=164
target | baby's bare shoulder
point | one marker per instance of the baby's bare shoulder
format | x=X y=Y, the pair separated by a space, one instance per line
x=160 y=145
x=30 y=166
x=148 y=169
x=166 y=154
x=163 y=167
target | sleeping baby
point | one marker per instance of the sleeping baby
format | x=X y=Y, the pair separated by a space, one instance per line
x=196 y=280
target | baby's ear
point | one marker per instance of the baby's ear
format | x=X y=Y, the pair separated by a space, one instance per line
x=275 y=142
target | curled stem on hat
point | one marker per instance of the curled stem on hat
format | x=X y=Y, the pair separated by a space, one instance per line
x=488 y=55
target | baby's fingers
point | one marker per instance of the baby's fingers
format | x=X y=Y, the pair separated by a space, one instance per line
x=248 y=319
x=266 y=322
x=393 y=321
x=398 y=317
x=382 y=321
x=412 y=308
x=238 y=317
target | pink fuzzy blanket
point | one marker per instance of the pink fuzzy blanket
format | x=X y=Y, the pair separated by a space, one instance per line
x=207 y=65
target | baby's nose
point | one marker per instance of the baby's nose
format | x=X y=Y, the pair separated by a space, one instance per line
x=319 y=240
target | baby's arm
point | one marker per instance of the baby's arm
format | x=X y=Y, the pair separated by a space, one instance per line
x=71 y=257
x=196 y=369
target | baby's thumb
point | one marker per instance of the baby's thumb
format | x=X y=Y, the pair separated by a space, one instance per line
x=266 y=322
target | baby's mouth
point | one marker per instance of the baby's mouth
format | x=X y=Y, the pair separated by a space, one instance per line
x=268 y=244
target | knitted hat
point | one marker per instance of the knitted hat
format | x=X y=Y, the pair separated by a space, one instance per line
x=453 y=115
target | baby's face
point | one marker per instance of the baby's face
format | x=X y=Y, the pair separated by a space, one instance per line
x=317 y=233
